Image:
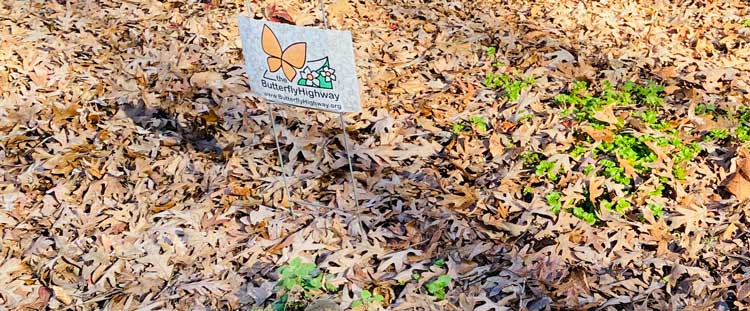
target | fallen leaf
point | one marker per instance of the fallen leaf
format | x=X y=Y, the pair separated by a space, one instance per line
x=599 y=134
x=738 y=183
x=207 y=80
x=606 y=115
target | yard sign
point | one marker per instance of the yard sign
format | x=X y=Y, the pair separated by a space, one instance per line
x=300 y=66
x=304 y=67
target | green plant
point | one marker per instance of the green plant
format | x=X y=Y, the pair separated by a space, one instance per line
x=717 y=134
x=530 y=158
x=705 y=108
x=620 y=206
x=298 y=274
x=650 y=94
x=632 y=149
x=743 y=133
x=579 y=87
x=658 y=191
x=512 y=87
x=367 y=298
x=622 y=154
x=611 y=95
x=416 y=275
x=651 y=118
x=439 y=263
x=656 y=209
x=553 y=200
x=457 y=128
x=679 y=172
x=588 y=169
x=577 y=151
x=584 y=104
x=330 y=287
x=479 y=123
x=684 y=153
x=581 y=213
x=547 y=168
x=438 y=286
x=617 y=173
x=528 y=190
x=746 y=22
x=491 y=51
x=709 y=242
x=305 y=275
x=524 y=117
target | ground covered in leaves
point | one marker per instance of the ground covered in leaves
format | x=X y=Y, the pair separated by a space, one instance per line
x=551 y=155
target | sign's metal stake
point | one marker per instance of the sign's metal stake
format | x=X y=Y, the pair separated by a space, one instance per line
x=271 y=118
x=323 y=14
x=346 y=144
x=349 y=159
x=284 y=175
x=249 y=9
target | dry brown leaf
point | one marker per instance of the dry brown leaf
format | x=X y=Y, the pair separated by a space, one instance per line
x=496 y=145
x=738 y=183
x=599 y=134
x=728 y=232
x=595 y=187
x=606 y=115
x=340 y=8
x=207 y=80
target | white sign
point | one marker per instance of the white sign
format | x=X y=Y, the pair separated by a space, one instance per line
x=300 y=66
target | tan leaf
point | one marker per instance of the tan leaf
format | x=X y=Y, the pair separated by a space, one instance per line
x=340 y=8
x=44 y=294
x=603 y=134
x=671 y=89
x=207 y=80
x=496 y=145
x=743 y=292
x=738 y=183
x=629 y=169
x=606 y=115
x=397 y=259
x=667 y=72
x=61 y=295
x=595 y=187
x=729 y=232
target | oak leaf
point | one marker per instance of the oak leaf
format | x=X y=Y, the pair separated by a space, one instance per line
x=738 y=183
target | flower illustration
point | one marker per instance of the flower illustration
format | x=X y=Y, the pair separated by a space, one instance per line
x=310 y=77
x=328 y=74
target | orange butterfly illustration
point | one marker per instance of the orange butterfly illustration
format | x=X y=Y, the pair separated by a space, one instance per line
x=290 y=58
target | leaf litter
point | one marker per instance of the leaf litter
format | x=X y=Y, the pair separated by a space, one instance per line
x=139 y=172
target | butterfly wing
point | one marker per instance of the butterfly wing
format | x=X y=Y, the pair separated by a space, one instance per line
x=274 y=63
x=289 y=71
x=294 y=56
x=272 y=47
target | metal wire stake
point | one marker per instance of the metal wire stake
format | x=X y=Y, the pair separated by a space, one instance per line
x=249 y=9
x=281 y=159
x=346 y=143
x=323 y=14
x=349 y=159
